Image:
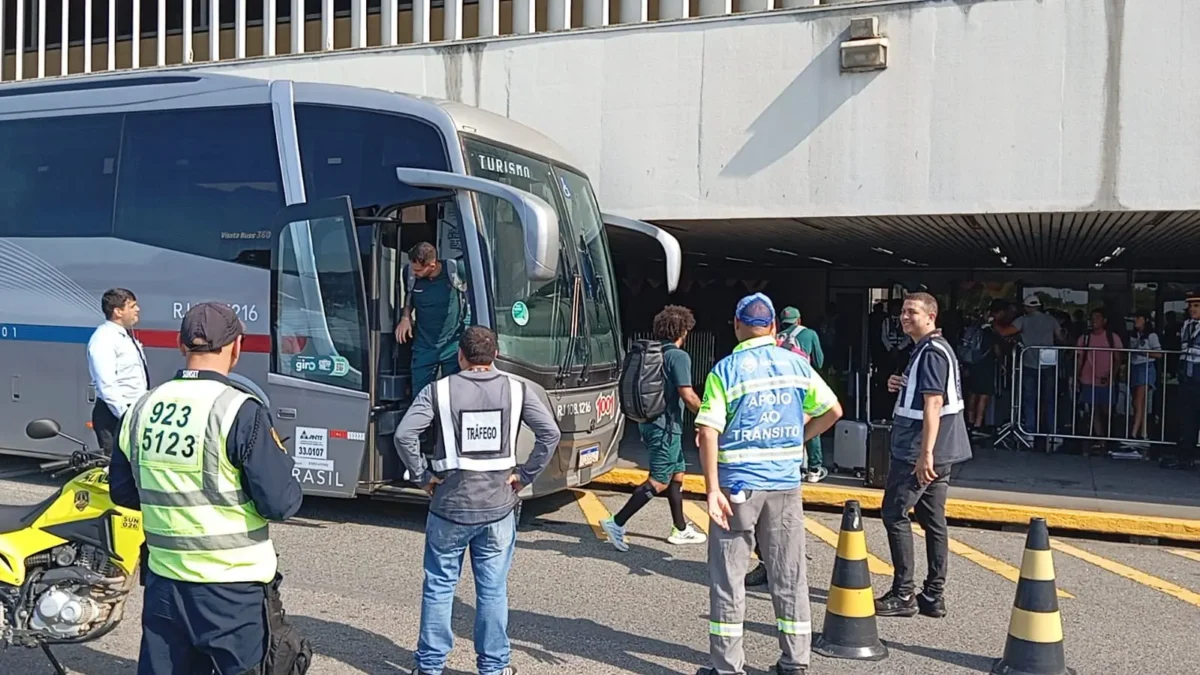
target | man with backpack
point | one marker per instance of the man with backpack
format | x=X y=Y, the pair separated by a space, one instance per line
x=804 y=341
x=656 y=384
x=437 y=290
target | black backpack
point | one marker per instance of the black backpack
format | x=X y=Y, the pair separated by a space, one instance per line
x=643 y=382
x=287 y=652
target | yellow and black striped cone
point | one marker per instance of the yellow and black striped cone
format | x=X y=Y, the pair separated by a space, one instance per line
x=1035 y=636
x=850 y=631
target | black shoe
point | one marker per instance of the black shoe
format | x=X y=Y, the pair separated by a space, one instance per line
x=781 y=669
x=757 y=576
x=707 y=670
x=931 y=606
x=892 y=604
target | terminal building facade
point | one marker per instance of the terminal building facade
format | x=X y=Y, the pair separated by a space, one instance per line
x=832 y=153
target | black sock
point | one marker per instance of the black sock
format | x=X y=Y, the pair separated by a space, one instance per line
x=641 y=496
x=675 y=499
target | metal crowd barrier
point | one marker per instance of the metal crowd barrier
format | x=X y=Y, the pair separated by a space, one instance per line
x=1066 y=396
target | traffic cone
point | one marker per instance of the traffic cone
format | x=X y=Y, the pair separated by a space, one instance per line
x=1035 y=636
x=850 y=631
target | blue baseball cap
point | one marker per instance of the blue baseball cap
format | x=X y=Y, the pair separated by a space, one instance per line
x=755 y=310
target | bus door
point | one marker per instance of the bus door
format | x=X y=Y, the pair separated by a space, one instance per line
x=319 y=378
x=389 y=235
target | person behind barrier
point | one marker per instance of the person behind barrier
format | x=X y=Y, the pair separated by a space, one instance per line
x=929 y=435
x=980 y=352
x=761 y=403
x=1143 y=379
x=663 y=436
x=473 y=487
x=201 y=459
x=436 y=290
x=1039 y=367
x=1099 y=366
x=1189 y=389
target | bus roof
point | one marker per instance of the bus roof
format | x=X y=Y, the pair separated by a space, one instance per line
x=108 y=90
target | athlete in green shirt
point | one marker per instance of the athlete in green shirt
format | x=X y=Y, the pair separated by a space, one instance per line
x=793 y=333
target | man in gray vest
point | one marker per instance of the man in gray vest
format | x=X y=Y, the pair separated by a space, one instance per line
x=473 y=487
x=929 y=435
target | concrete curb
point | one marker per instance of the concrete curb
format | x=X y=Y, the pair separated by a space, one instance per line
x=961 y=509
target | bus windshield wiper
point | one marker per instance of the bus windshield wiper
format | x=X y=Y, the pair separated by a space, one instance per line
x=601 y=297
x=564 y=368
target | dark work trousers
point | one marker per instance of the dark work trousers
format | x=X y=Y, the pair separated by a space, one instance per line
x=903 y=493
x=202 y=629
x=106 y=425
x=1189 y=420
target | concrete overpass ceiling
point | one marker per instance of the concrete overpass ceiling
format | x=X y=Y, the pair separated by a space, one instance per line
x=1112 y=240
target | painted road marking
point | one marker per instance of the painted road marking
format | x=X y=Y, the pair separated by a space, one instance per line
x=987 y=562
x=593 y=510
x=1190 y=555
x=1129 y=573
x=830 y=537
x=696 y=513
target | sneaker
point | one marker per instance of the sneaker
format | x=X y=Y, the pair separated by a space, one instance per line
x=931 y=606
x=688 y=535
x=757 y=576
x=508 y=670
x=781 y=669
x=817 y=475
x=893 y=604
x=707 y=670
x=616 y=533
x=1129 y=452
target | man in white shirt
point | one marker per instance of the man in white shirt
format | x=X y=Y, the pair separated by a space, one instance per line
x=117 y=364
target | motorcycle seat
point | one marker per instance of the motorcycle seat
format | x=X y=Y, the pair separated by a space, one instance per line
x=19 y=517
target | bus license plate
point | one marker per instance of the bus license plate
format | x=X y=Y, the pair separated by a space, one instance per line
x=589 y=455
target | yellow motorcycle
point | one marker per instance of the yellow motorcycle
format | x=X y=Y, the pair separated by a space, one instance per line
x=67 y=564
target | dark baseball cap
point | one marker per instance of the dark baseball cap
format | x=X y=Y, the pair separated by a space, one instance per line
x=209 y=326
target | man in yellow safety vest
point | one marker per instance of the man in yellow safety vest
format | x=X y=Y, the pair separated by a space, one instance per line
x=200 y=457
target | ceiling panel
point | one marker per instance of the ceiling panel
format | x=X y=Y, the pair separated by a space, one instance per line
x=1116 y=240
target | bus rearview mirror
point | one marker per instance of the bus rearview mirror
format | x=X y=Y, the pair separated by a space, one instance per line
x=539 y=222
x=670 y=245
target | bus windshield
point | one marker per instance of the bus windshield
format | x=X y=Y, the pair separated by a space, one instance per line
x=534 y=319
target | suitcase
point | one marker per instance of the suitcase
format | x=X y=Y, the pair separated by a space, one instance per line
x=879 y=455
x=850 y=446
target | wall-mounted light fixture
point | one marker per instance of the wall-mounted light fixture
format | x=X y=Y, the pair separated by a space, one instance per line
x=866 y=50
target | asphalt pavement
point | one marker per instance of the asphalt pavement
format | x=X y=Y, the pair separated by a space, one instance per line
x=578 y=606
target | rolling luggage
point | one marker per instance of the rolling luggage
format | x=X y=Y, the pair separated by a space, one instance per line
x=850 y=446
x=879 y=455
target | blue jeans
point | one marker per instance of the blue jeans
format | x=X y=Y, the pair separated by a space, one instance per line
x=491 y=549
x=1031 y=402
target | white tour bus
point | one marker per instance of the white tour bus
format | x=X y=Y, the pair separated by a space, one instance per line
x=296 y=203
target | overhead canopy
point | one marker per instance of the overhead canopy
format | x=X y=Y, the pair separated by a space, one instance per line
x=1112 y=240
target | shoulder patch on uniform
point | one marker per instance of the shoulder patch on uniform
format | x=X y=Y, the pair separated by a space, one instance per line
x=278 y=440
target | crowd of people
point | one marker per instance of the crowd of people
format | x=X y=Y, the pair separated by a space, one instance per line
x=1094 y=384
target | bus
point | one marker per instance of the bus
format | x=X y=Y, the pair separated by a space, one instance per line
x=296 y=203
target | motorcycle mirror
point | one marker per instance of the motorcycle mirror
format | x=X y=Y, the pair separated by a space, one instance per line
x=42 y=429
